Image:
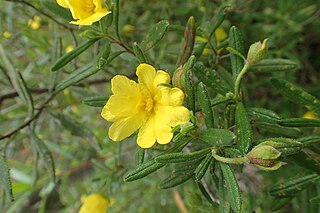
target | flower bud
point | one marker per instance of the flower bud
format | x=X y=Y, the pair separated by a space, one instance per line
x=257 y=51
x=178 y=78
x=265 y=157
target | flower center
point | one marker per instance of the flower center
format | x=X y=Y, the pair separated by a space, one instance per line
x=148 y=104
x=89 y=6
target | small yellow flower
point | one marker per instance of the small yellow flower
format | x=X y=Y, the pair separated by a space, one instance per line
x=148 y=105
x=85 y=12
x=69 y=48
x=34 y=23
x=310 y=115
x=128 y=29
x=95 y=203
x=6 y=34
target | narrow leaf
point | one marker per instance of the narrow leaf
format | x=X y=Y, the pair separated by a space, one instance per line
x=299 y=122
x=306 y=161
x=203 y=167
x=273 y=65
x=236 y=42
x=155 y=34
x=77 y=129
x=293 y=186
x=5 y=177
x=96 y=101
x=175 y=179
x=138 y=52
x=244 y=131
x=297 y=94
x=217 y=137
x=151 y=166
x=65 y=59
x=45 y=155
x=205 y=105
x=182 y=157
x=189 y=93
x=76 y=76
x=187 y=43
x=232 y=188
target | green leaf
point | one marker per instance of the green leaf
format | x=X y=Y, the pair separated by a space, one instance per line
x=232 y=188
x=65 y=59
x=205 y=105
x=116 y=19
x=244 y=131
x=263 y=115
x=76 y=76
x=221 y=15
x=182 y=157
x=45 y=154
x=138 y=52
x=296 y=94
x=277 y=203
x=236 y=42
x=203 y=167
x=151 y=166
x=102 y=58
x=294 y=185
x=273 y=65
x=18 y=82
x=299 y=122
x=189 y=93
x=77 y=129
x=57 y=10
x=140 y=156
x=175 y=179
x=5 y=177
x=287 y=146
x=315 y=200
x=96 y=101
x=310 y=140
x=187 y=43
x=276 y=129
x=306 y=161
x=210 y=78
x=155 y=34
x=217 y=137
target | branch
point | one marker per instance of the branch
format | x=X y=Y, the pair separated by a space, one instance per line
x=28 y=122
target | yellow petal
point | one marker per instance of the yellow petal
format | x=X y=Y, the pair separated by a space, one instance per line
x=92 y=18
x=170 y=96
x=146 y=74
x=146 y=136
x=161 y=77
x=62 y=3
x=162 y=130
x=125 y=127
x=95 y=203
x=78 y=10
x=173 y=116
x=121 y=85
x=126 y=100
x=220 y=34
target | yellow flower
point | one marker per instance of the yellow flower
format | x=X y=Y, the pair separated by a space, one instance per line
x=148 y=105
x=95 y=203
x=69 y=48
x=35 y=22
x=85 y=12
x=6 y=34
x=310 y=115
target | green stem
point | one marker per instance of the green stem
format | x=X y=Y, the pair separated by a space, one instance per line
x=240 y=160
x=239 y=78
